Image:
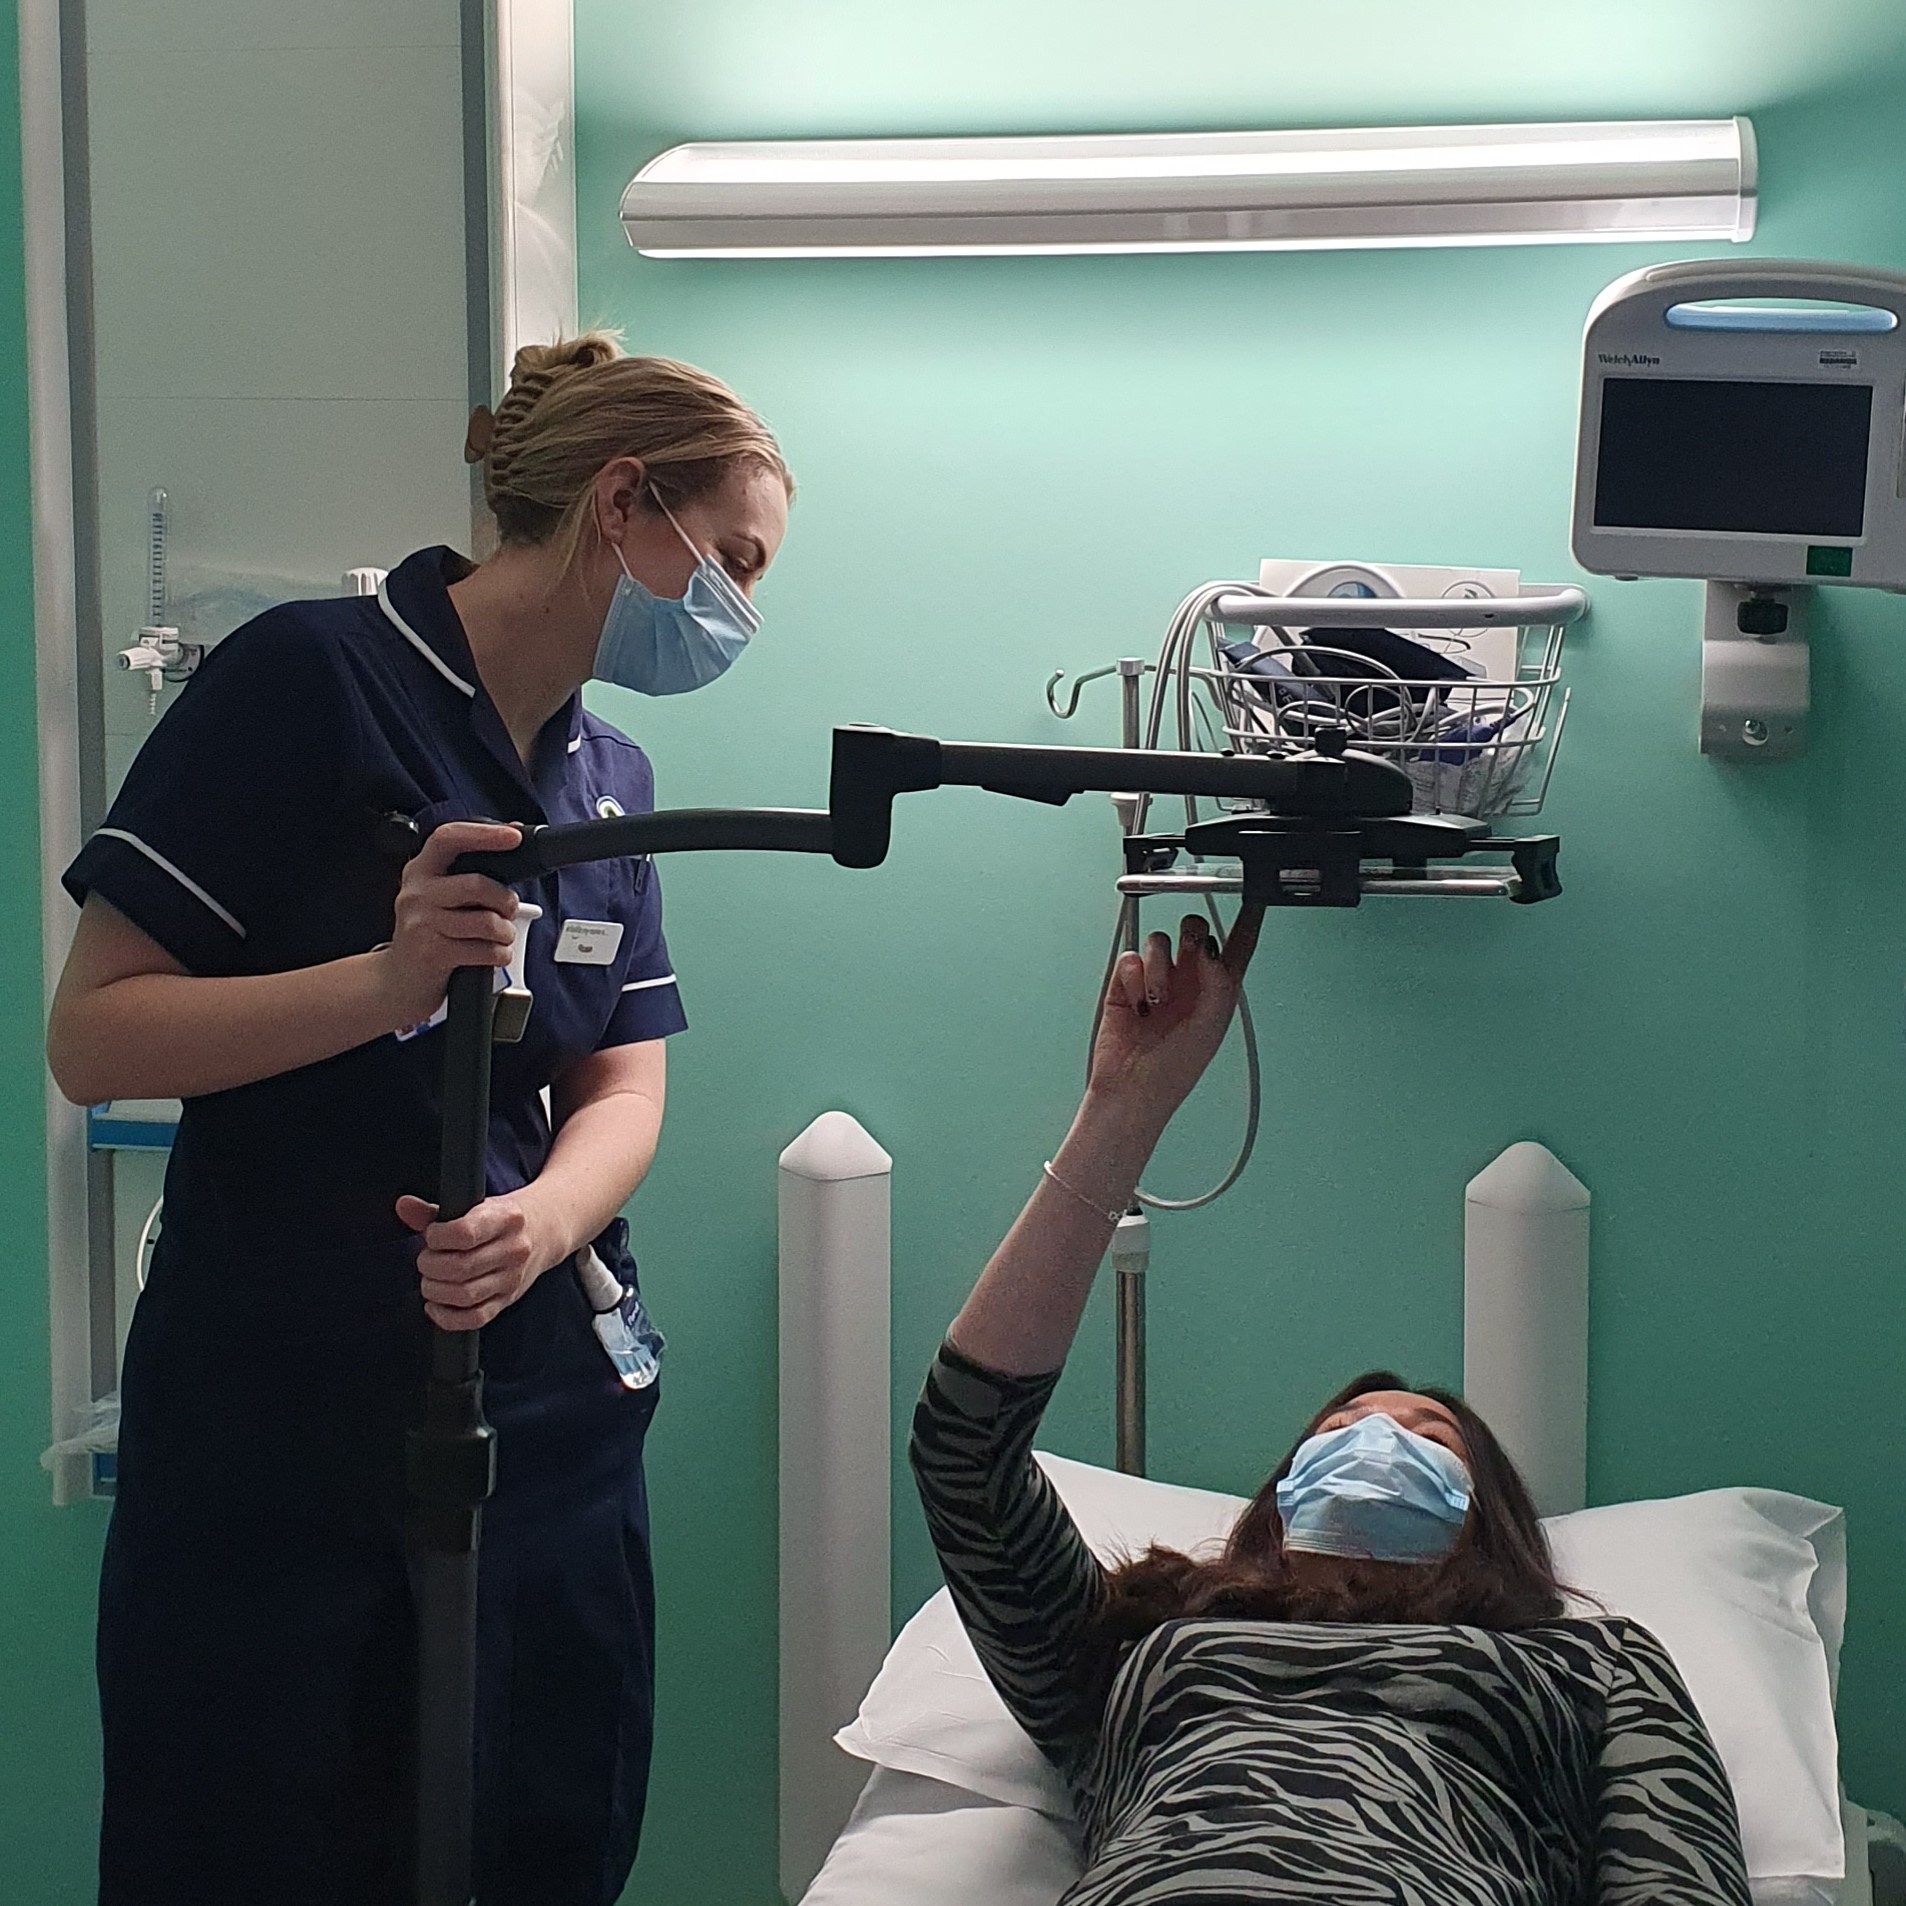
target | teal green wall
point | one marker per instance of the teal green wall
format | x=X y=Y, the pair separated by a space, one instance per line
x=1013 y=466
x=49 y=1752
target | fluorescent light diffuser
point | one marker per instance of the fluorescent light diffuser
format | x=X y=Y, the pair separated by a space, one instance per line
x=1643 y=181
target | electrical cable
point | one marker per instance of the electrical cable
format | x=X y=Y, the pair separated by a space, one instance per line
x=1253 y=1111
x=1173 y=676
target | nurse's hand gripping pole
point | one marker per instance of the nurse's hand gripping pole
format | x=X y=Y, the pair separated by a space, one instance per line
x=1313 y=818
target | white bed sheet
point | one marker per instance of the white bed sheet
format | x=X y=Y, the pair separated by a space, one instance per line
x=912 y=1841
x=917 y=1842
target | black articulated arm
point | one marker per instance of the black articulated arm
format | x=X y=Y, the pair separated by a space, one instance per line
x=1350 y=794
x=872 y=765
x=681 y=830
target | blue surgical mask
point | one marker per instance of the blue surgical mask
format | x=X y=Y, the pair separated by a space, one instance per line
x=1376 y=1490
x=666 y=645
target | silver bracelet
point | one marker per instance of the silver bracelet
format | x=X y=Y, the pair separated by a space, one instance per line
x=1098 y=1210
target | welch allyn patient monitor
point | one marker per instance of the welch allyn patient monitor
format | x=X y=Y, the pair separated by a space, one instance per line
x=1744 y=423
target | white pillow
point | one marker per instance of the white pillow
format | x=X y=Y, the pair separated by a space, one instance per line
x=915 y=1842
x=1745 y=1588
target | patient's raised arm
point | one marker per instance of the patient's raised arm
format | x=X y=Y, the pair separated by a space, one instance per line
x=1164 y=1017
x=1027 y=1587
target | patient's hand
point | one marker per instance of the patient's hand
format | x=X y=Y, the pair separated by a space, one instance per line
x=1163 y=1018
x=1165 y=1015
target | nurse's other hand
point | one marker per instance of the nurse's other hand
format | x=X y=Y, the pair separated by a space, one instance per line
x=443 y=920
x=477 y=1265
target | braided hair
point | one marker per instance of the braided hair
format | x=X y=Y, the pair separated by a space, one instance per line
x=578 y=404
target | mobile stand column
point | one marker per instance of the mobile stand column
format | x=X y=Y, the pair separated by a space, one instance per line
x=450 y=1456
x=450 y=1472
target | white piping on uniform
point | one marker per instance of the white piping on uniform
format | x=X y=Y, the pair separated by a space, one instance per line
x=184 y=879
x=643 y=985
x=422 y=647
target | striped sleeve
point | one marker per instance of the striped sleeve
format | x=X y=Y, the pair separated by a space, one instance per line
x=1026 y=1585
x=1667 y=1833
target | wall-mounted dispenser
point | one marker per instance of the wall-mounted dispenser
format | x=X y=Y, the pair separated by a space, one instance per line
x=159 y=653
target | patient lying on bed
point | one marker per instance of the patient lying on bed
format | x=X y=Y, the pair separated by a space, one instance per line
x=1373 y=1693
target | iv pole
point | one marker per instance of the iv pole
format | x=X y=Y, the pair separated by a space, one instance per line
x=1312 y=810
x=1131 y=1242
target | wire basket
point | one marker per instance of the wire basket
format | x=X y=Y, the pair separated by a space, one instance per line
x=1477 y=745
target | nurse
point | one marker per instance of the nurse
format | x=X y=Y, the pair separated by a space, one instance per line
x=267 y=931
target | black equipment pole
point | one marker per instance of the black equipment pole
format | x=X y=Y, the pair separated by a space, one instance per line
x=451 y=1470
x=450 y=1456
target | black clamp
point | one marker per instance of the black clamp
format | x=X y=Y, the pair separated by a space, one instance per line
x=450 y=1465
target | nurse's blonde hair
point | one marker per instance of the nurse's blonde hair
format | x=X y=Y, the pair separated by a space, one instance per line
x=577 y=404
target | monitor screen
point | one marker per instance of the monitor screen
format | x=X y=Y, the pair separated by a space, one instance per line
x=1752 y=458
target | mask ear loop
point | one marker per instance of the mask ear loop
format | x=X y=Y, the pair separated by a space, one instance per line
x=675 y=526
x=617 y=547
x=700 y=555
x=723 y=583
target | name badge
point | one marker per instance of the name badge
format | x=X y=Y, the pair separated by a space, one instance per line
x=588 y=942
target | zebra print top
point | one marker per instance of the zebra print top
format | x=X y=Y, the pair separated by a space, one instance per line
x=1241 y=1761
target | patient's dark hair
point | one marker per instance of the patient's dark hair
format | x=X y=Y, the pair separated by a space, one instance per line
x=1499 y=1575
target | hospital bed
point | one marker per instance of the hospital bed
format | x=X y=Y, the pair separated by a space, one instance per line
x=945 y=1799
x=1746 y=1588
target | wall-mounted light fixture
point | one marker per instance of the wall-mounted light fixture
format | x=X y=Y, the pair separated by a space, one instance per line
x=1643 y=181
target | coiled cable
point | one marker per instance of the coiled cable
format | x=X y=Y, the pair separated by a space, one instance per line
x=1172 y=685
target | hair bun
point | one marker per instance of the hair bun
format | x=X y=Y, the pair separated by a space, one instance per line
x=535 y=368
x=541 y=364
x=575 y=405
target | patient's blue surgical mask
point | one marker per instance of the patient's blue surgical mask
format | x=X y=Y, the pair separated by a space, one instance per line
x=666 y=645
x=1376 y=1490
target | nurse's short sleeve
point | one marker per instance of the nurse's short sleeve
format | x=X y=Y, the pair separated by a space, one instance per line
x=650 y=1003
x=201 y=847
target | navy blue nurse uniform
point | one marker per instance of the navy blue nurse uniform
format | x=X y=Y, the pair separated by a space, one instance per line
x=255 y=1626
